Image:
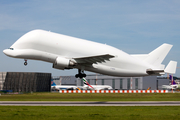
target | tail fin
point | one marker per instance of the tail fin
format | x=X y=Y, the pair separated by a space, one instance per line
x=173 y=82
x=86 y=83
x=171 y=67
x=157 y=56
x=52 y=83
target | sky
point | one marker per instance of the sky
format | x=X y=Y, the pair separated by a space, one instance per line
x=136 y=27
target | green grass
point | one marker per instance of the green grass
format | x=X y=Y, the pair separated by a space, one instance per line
x=91 y=97
x=89 y=113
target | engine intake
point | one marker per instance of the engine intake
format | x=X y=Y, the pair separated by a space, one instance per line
x=63 y=63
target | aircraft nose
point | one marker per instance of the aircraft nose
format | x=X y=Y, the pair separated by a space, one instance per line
x=7 y=52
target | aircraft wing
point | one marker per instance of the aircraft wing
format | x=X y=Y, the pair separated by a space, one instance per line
x=93 y=59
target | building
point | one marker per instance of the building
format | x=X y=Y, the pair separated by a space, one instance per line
x=41 y=82
x=25 y=81
x=121 y=83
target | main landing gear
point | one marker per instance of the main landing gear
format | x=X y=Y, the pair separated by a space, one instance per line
x=25 y=62
x=80 y=74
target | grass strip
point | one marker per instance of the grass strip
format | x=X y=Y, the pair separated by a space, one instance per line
x=91 y=97
x=89 y=113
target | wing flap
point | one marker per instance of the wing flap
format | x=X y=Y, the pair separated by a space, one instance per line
x=94 y=59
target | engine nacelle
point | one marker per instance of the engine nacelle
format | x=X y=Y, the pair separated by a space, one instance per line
x=63 y=63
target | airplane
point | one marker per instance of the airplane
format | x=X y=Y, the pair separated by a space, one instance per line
x=95 y=87
x=173 y=85
x=61 y=87
x=86 y=86
x=66 y=52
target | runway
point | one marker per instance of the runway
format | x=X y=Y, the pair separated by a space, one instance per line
x=89 y=103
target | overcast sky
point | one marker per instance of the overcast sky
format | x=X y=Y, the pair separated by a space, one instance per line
x=134 y=26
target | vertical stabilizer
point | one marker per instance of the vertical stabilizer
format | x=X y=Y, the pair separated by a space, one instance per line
x=52 y=83
x=171 y=78
x=157 y=56
x=86 y=83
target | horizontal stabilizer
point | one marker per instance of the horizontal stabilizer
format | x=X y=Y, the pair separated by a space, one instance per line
x=171 y=67
x=94 y=59
x=154 y=72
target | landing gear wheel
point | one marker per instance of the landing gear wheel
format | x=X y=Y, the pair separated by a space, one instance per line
x=25 y=63
x=83 y=75
x=80 y=74
x=77 y=75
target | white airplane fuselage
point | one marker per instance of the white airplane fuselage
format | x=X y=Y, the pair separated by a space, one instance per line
x=98 y=87
x=63 y=87
x=61 y=50
x=170 y=87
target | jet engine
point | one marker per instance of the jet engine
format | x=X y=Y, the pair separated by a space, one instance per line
x=63 y=63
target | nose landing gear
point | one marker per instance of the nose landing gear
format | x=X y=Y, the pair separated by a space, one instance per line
x=80 y=74
x=25 y=63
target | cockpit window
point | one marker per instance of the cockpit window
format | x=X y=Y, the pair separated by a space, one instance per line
x=11 y=48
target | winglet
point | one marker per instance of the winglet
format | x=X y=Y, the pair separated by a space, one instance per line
x=171 y=67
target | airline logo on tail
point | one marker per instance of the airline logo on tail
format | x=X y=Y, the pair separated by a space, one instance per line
x=86 y=83
x=173 y=82
x=52 y=83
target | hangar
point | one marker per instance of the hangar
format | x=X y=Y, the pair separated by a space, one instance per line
x=25 y=81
